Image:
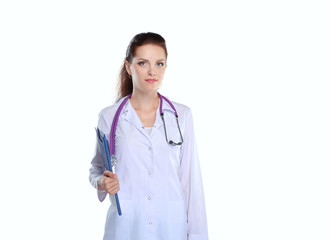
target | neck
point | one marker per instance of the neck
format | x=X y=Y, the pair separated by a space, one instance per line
x=144 y=101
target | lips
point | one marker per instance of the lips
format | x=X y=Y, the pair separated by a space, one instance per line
x=151 y=80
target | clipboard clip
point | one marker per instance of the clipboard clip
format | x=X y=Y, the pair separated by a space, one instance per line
x=98 y=134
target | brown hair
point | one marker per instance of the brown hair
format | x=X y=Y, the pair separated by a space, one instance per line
x=125 y=84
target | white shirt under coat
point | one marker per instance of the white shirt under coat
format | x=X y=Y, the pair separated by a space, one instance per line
x=161 y=191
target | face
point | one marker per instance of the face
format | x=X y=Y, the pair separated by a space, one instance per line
x=147 y=68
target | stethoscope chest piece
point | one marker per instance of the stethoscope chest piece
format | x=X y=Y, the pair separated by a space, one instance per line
x=114 y=162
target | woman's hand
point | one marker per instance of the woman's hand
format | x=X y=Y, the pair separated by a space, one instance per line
x=109 y=182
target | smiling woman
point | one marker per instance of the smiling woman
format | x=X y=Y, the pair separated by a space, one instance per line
x=147 y=68
x=160 y=190
x=125 y=84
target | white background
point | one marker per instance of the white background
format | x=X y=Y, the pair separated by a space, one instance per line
x=255 y=73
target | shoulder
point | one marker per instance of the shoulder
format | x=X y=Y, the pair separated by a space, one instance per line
x=107 y=114
x=184 y=111
x=185 y=117
x=181 y=108
x=108 y=111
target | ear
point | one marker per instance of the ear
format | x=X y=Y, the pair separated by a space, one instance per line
x=128 y=67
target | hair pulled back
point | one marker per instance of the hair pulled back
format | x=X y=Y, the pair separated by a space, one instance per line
x=125 y=84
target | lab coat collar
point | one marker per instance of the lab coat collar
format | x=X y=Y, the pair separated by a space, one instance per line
x=131 y=116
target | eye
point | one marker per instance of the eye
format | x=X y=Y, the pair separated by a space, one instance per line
x=160 y=64
x=142 y=63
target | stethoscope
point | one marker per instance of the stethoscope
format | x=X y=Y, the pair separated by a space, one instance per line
x=116 y=118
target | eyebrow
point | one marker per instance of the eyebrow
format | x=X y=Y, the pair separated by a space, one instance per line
x=148 y=60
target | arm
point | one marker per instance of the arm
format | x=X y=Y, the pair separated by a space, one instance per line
x=191 y=181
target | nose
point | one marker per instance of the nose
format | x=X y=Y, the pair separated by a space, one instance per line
x=152 y=71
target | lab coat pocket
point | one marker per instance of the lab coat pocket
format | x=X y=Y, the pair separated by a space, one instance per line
x=173 y=151
x=177 y=216
x=119 y=227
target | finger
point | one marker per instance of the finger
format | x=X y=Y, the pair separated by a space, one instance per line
x=110 y=183
x=113 y=175
x=110 y=174
x=106 y=173
x=114 y=190
x=110 y=189
x=109 y=179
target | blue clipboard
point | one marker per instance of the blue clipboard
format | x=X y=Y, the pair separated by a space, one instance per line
x=104 y=148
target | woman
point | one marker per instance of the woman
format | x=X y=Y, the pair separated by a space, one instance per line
x=158 y=178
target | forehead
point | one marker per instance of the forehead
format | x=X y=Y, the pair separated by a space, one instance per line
x=150 y=51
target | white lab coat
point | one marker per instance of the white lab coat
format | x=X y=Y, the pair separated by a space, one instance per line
x=161 y=191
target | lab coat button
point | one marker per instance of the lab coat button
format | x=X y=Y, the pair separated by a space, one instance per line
x=150 y=223
x=149 y=148
x=149 y=173
x=149 y=198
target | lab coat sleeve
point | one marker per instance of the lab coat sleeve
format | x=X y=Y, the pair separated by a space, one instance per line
x=97 y=168
x=191 y=181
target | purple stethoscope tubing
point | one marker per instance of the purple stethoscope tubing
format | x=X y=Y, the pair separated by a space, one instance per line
x=116 y=118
